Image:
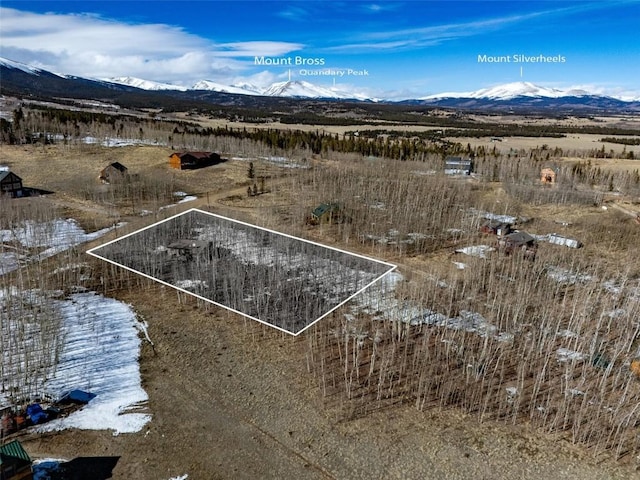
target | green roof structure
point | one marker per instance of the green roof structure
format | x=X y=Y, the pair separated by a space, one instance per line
x=323 y=208
x=13 y=454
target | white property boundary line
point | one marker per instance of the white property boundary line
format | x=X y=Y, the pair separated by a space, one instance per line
x=391 y=269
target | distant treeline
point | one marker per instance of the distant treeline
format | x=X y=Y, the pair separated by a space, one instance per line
x=321 y=142
x=622 y=141
x=68 y=125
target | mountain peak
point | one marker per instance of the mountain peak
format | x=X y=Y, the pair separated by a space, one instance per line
x=242 y=89
x=509 y=91
x=144 y=84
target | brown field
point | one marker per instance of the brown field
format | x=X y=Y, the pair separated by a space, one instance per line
x=572 y=142
x=233 y=399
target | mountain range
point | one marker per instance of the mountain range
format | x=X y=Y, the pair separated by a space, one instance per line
x=305 y=89
x=296 y=88
x=18 y=77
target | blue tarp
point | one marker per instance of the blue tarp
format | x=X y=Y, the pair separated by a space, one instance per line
x=77 y=396
x=36 y=414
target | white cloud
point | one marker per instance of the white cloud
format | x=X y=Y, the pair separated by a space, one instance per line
x=251 y=49
x=420 y=37
x=91 y=46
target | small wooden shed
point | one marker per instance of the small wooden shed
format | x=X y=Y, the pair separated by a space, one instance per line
x=193 y=160
x=495 y=227
x=327 y=213
x=519 y=241
x=10 y=184
x=113 y=172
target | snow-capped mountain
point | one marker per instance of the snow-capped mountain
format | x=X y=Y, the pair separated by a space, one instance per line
x=144 y=84
x=513 y=90
x=5 y=62
x=293 y=88
x=300 y=89
x=241 y=89
x=290 y=88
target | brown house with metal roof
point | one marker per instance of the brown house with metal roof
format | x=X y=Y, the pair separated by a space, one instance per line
x=193 y=160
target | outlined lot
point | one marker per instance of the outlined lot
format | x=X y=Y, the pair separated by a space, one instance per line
x=283 y=281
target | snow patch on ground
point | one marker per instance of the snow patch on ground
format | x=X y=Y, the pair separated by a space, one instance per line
x=9 y=261
x=565 y=355
x=191 y=284
x=510 y=219
x=393 y=237
x=99 y=354
x=480 y=251
x=379 y=300
x=562 y=275
x=94 y=346
x=120 y=142
x=57 y=235
x=185 y=198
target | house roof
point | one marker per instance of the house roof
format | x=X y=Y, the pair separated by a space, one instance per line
x=458 y=161
x=520 y=238
x=13 y=452
x=324 y=208
x=5 y=173
x=198 y=155
x=496 y=224
x=118 y=166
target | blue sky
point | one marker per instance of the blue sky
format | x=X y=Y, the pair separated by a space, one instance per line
x=401 y=48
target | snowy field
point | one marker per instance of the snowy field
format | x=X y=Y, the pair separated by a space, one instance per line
x=97 y=346
x=52 y=237
x=121 y=142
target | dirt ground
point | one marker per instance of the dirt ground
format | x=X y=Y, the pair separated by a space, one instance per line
x=232 y=399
